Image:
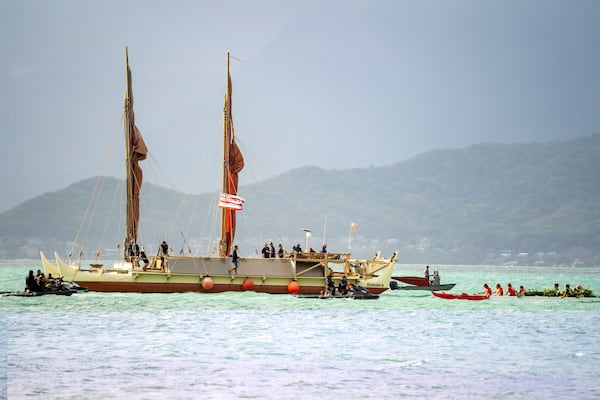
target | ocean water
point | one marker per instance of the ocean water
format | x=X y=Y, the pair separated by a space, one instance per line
x=406 y=344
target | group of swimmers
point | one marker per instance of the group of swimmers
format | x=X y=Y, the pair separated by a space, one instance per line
x=510 y=290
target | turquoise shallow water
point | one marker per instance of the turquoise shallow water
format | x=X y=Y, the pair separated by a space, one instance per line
x=249 y=345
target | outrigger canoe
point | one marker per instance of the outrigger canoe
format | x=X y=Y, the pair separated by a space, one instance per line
x=460 y=296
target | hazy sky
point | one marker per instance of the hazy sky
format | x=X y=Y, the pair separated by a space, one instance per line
x=337 y=84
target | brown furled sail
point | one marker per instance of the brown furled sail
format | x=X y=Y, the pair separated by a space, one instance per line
x=233 y=163
x=136 y=151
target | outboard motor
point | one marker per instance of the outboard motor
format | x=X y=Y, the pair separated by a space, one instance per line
x=393 y=285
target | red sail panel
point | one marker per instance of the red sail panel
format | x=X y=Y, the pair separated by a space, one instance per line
x=136 y=151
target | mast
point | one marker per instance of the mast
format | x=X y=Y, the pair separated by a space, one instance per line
x=128 y=113
x=135 y=151
x=233 y=163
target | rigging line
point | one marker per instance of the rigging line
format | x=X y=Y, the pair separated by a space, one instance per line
x=262 y=167
x=215 y=222
x=109 y=216
x=194 y=212
x=268 y=208
x=92 y=204
x=86 y=224
x=183 y=196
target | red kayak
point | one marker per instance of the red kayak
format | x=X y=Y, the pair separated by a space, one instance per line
x=460 y=296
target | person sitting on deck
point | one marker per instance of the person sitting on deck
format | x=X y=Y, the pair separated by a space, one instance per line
x=298 y=248
x=436 y=279
x=343 y=286
x=324 y=249
x=144 y=258
x=129 y=251
x=330 y=285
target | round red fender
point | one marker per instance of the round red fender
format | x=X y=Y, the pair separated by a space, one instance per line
x=207 y=283
x=248 y=284
x=293 y=287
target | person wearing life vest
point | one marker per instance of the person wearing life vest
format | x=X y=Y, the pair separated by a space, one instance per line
x=499 y=290
x=511 y=291
x=486 y=290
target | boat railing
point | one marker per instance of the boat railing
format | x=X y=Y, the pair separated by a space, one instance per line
x=321 y=256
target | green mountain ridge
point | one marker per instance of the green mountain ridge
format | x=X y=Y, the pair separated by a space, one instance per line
x=486 y=203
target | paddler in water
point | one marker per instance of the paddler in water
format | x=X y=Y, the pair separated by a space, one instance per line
x=486 y=290
x=511 y=290
x=499 y=290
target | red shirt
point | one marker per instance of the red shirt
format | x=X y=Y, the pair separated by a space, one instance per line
x=511 y=291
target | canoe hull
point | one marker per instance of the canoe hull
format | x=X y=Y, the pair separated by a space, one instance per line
x=190 y=274
x=460 y=296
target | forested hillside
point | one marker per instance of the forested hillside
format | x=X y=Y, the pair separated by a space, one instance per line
x=494 y=203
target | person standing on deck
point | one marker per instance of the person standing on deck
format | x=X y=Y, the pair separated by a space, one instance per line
x=271 y=250
x=234 y=259
x=164 y=253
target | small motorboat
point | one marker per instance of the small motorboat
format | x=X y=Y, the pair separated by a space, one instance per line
x=460 y=296
x=420 y=283
x=395 y=286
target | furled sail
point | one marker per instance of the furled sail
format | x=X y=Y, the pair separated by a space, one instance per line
x=233 y=163
x=136 y=151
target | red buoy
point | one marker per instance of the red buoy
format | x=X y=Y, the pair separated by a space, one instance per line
x=207 y=283
x=293 y=287
x=248 y=284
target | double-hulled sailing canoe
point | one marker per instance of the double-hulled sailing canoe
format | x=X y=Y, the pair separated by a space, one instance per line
x=300 y=273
